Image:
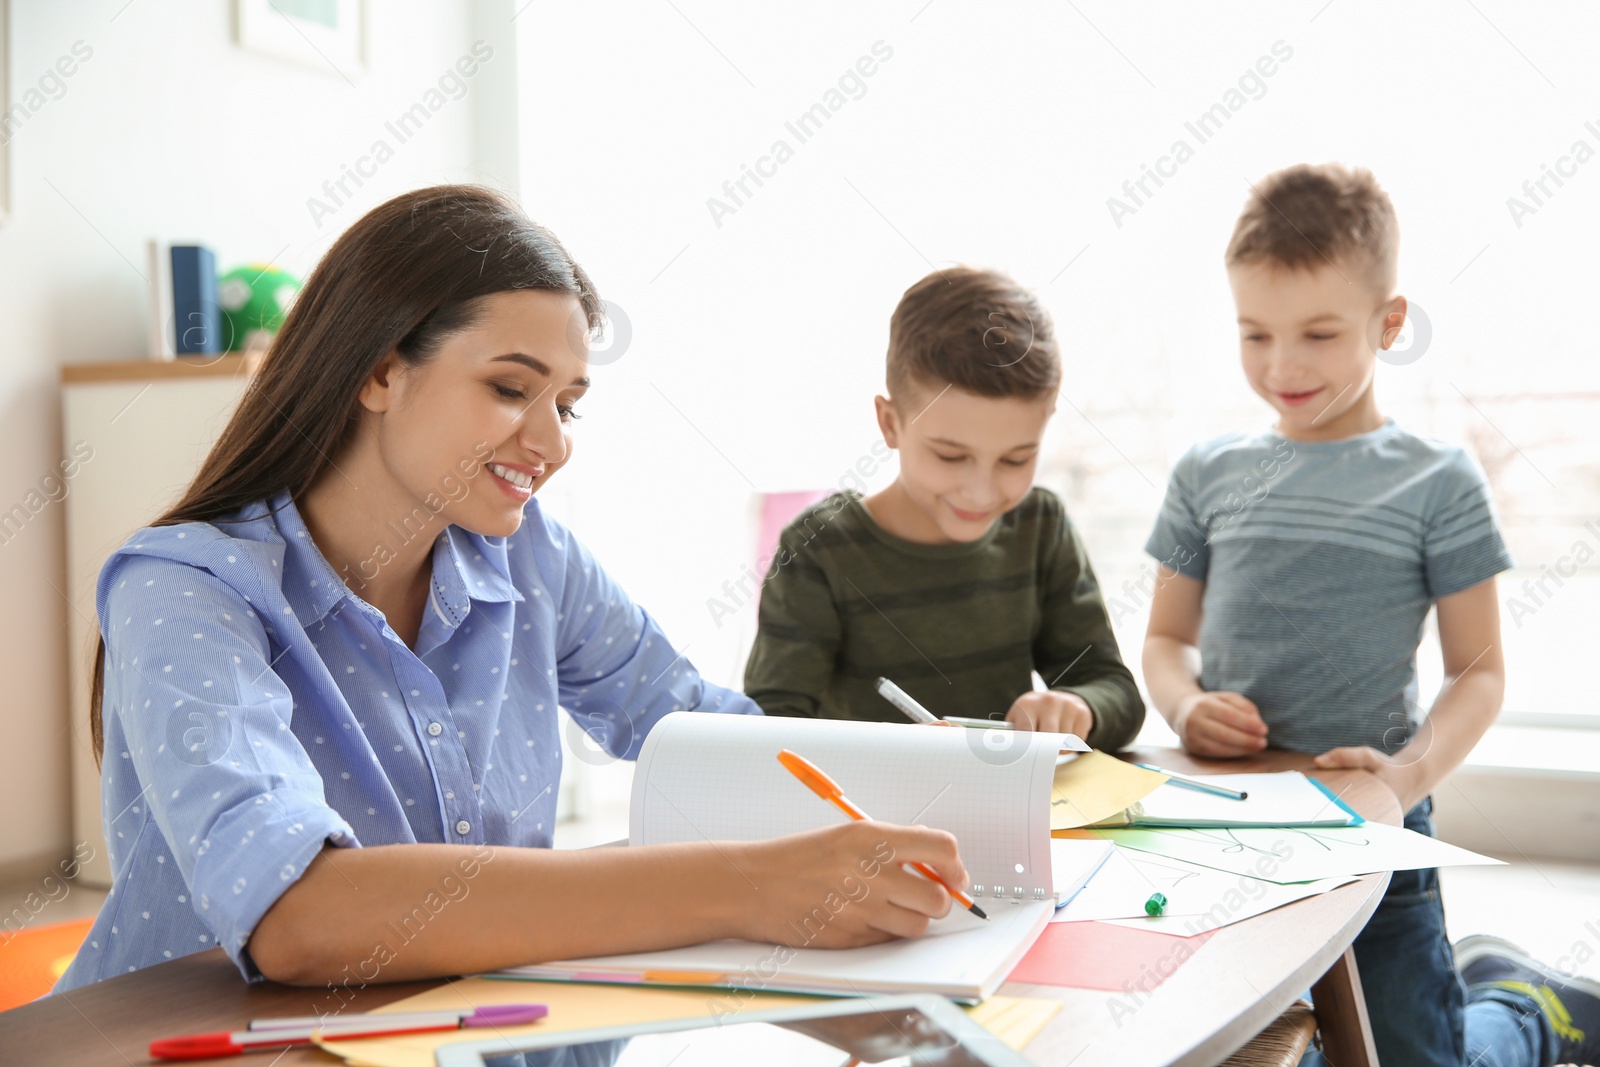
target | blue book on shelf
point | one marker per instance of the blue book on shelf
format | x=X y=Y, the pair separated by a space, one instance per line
x=196 y=315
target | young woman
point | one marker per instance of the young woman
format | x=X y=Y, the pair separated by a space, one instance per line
x=328 y=685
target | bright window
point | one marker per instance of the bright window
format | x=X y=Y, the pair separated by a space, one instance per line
x=758 y=279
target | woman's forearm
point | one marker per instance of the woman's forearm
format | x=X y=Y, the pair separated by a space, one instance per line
x=398 y=912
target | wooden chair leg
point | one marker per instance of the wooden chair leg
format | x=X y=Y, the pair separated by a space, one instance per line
x=1342 y=1015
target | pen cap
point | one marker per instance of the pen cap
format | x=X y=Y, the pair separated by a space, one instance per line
x=506 y=1015
x=196 y=1046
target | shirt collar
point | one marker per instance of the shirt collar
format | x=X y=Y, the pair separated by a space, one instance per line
x=469 y=566
x=466 y=567
x=310 y=583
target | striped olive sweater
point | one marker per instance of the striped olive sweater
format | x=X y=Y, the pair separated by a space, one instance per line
x=961 y=627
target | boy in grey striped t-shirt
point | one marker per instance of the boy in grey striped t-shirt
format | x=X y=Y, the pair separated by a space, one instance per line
x=1301 y=562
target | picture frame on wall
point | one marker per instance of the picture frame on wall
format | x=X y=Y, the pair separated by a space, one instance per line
x=325 y=35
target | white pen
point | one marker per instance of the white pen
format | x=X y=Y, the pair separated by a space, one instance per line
x=902 y=700
x=1195 y=783
x=979 y=724
x=917 y=713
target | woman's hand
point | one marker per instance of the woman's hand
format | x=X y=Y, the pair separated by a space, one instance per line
x=842 y=886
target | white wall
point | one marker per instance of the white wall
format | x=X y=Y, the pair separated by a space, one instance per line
x=996 y=135
x=169 y=129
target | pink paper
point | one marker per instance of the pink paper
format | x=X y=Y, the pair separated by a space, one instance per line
x=777 y=511
x=1094 y=955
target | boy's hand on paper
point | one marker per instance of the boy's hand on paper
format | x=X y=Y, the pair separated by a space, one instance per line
x=844 y=886
x=1401 y=777
x=1221 y=725
x=1052 y=712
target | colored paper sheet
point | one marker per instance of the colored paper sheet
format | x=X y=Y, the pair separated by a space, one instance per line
x=1198 y=898
x=1245 y=899
x=1096 y=786
x=1103 y=956
x=1288 y=854
x=1015 y=1020
x=572 y=1007
x=1121 y=887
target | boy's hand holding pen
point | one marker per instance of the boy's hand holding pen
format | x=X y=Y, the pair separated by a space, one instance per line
x=919 y=714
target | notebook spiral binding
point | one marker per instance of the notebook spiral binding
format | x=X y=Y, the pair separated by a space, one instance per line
x=999 y=892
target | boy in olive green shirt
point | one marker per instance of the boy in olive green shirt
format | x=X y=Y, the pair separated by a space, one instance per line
x=962 y=578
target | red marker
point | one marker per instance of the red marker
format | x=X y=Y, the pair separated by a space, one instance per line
x=826 y=788
x=265 y=1035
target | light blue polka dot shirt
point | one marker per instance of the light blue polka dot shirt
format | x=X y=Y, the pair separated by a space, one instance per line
x=255 y=708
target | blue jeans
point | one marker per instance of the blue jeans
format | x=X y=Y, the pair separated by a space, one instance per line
x=1422 y=1015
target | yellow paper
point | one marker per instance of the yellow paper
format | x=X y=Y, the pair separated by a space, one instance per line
x=580 y=1006
x=573 y=1006
x=1096 y=786
x=1014 y=1020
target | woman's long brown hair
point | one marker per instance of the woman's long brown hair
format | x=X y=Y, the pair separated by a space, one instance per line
x=402 y=279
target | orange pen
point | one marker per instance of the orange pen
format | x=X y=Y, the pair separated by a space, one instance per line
x=826 y=788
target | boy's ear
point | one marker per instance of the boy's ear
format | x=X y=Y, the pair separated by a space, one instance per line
x=1394 y=318
x=888 y=420
x=378 y=391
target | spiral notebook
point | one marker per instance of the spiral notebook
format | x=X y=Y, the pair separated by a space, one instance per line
x=705 y=777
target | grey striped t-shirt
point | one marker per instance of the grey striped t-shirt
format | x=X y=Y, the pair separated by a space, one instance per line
x=1321 y=560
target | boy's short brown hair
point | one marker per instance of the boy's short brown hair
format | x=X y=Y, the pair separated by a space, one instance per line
x=1307 y=216
x=974 y=329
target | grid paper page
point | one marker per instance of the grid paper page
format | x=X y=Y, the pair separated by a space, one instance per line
x=708 y=777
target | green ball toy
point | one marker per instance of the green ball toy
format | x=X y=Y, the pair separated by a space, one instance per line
x=254 y=299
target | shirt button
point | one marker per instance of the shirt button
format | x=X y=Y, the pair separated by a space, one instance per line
x=434 y=729
x=463 y=828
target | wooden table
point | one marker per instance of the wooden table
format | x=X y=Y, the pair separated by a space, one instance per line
x=1237 y=983
x=1247 y=973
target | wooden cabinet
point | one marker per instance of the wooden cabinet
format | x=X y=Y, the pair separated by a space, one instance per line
x=139 y=431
